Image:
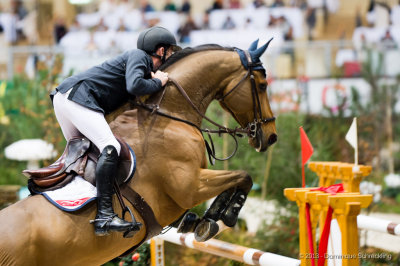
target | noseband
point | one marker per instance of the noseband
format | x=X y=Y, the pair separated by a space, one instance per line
x=250 y=130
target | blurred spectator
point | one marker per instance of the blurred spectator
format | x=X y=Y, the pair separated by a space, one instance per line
x=18 y=8
x=124 y=6
x=74 y=26
x=378 y=14
x=91 y=46
x=121 y=26
x=382 y=11
x=153 y=22
x=101 y=26
x=302 y=4
x=332 y=6
x=285 y=27
x=206 y=21
x=272 y=21
x=145 y=6
x=185 y=7
x=19 y=12
x=218 y=4
x=311 y=19
x=388 y=42
x=9 y=24
x=184 y=31
x=107 y=6
x=364 y=43
x=234 y=4
x=248 y=24
x=371 y=13
x=228 y=24
x=169 y=6
x=278 y=3
x=60 y=29
x=258 y=3
x=358 y=19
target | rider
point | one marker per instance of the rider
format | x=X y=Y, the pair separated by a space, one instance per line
x=82 y=101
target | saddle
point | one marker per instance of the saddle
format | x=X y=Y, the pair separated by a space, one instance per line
x=79 y=158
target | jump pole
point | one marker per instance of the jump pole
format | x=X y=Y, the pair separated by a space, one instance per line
x=227 y=250
x=378 y=225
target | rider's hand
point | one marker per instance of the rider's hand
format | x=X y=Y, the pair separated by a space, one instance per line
x=163 y=76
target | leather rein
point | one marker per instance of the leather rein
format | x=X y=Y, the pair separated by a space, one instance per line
x=250 y=130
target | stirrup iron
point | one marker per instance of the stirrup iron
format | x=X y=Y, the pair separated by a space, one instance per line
x=136 y=225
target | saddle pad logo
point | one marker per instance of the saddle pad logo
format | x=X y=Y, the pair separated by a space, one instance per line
x=72 y=203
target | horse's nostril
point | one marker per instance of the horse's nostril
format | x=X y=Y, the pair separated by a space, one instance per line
x=272 y=139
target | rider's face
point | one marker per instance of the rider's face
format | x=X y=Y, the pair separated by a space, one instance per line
x=160 y=52
x=169 y=52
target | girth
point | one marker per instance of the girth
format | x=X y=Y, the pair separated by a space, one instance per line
x=153 y=228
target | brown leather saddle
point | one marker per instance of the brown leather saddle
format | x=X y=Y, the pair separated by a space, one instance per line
x=80 y=158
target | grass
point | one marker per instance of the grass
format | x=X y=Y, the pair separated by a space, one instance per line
x=388 y=205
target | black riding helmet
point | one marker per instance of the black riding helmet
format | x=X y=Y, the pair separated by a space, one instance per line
x=151 y=39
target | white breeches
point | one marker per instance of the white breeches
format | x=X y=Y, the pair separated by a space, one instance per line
x=76 y=120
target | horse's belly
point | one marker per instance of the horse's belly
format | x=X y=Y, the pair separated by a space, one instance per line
x=34 y=232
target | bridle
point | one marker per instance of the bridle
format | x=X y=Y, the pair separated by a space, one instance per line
x=250 y=130
x=251 y=127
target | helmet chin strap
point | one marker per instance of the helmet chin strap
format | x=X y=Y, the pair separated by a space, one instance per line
x=163 y=58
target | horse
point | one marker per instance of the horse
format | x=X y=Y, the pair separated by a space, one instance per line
x=172 y=174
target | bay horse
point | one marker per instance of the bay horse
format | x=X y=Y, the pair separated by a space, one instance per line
x=172 y=174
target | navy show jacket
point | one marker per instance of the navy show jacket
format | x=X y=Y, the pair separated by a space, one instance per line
x=107 y=86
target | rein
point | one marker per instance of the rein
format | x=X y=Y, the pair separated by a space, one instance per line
x=250 y=130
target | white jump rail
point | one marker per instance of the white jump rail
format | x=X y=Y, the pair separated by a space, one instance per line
x=227 y=250
x=378 y=225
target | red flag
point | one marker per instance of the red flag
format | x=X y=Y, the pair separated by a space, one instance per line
x=306 y=151
x=306 y=147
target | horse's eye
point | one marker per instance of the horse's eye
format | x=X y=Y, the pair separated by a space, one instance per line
x=262 y=86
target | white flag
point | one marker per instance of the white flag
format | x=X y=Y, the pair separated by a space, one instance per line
x=351 y=137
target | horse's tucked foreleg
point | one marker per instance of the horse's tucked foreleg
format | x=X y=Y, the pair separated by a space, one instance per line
x=227 y=205
x=237 y=185
x=208 y=184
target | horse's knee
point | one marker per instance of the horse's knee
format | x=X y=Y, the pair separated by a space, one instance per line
x=246 y=182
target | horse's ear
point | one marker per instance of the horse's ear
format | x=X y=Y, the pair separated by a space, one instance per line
x=253 y=46
x=257 y=53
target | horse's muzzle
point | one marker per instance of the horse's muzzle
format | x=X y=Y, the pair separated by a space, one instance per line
x=261 y=141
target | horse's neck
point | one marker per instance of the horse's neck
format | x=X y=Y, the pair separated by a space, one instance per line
x=201 y=75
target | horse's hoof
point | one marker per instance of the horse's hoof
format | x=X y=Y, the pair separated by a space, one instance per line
x=229 y=219
x=205 y=230
x=188 y=223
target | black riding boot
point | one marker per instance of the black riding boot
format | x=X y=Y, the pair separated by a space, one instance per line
x=106 y=220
